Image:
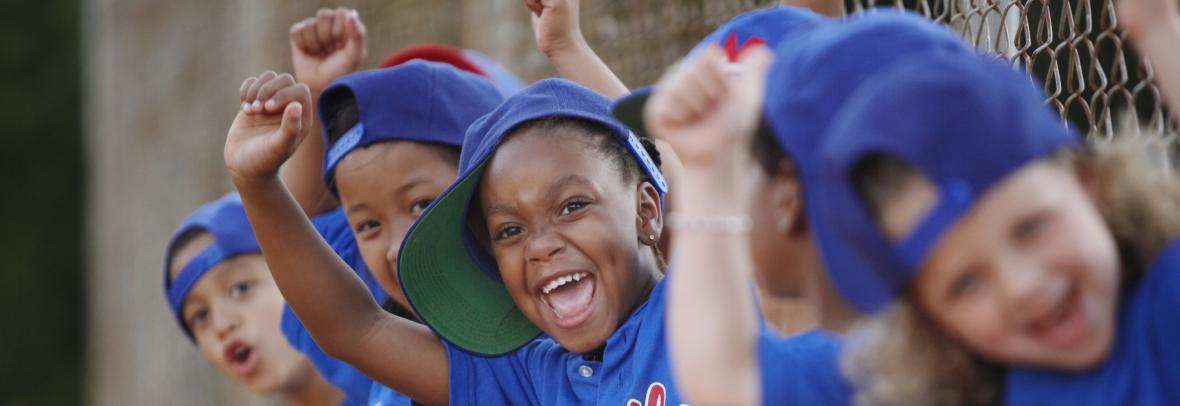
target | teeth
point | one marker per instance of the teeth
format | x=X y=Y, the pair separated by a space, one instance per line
x=558 y=282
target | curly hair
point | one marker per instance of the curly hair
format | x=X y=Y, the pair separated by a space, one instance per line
x=903 y=357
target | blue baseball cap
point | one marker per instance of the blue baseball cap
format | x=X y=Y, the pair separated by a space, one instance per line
x=225 y=220
x=451 y=280
x=419 y=101
x=813 y=76
x=767 y=27
x=963 y=122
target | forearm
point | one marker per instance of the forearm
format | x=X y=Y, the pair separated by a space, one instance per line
x=303 y=172
x=328 y=297
x=712 y=318
x=1159 y=43
x=578 y=63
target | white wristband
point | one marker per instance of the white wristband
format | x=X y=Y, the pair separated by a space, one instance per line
x=732 y=224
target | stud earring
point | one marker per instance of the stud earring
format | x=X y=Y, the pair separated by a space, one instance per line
x=651 y=237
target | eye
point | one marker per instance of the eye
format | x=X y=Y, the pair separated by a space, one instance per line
x=964 y=283
x=420 y=206
x=365 y=226
x=573 y=205
x=507 y=232
x=196 y=319
x=240 y=289
x=1029 y=228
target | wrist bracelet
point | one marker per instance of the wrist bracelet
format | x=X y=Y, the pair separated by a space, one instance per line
x=730 y=224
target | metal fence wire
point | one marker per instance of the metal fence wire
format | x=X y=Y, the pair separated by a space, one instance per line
x=1088 y=69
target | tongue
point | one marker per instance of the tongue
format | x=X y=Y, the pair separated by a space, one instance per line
x=572 y=298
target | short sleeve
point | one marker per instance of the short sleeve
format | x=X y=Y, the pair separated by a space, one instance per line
x=502 y=380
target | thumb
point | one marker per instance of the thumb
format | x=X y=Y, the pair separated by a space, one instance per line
x=290 y=130
x=355 y=30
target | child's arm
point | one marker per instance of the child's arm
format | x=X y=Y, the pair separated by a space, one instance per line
x=323 y=48
x=329 y=299
x=1154 y=27
x=559 y=36
x=708 y=115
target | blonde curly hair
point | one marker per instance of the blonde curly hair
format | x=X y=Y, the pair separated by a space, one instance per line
x=902 y=357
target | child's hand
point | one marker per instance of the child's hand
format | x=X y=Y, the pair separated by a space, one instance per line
x=1138 y=17
x=555 y=25
x=274 y=118
x=327 y=46
x=708 y=109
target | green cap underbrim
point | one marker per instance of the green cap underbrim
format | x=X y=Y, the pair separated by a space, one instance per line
x=629 y=111
x=467 y=307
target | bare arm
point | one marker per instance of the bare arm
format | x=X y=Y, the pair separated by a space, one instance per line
x=329 y=299
x=559 y=36
x=708 y=117
x=1154 y=27
x=323 y=48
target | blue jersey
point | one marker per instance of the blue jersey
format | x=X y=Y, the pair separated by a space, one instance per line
x=802 y=369
x=357 y=387
x=634 y=369
x=1143 y=367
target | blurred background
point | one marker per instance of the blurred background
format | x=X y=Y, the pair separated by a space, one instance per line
x=115 y=111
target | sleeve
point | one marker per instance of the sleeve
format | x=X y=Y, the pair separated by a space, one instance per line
x=801 y=370
x=502 y=380
x=1164 y=280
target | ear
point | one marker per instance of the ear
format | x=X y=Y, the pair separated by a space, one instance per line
x=786 y=198
x=649 y=220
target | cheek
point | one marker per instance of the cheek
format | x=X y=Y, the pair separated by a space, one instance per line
x=976 y=322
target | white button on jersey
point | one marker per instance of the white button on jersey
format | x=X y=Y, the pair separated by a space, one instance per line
x=586 y=371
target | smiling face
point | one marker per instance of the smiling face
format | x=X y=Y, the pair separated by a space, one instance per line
x=566 y=227
x=383 y=189
x=1028 y=277
x=234 y=312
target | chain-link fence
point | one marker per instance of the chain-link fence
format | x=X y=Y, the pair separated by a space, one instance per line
x=1088 y=69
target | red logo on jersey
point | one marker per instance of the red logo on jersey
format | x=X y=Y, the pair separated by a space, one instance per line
x=733 y=50
x=657 y=395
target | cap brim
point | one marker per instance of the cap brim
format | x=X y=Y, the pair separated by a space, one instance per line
x=465 y=306
x=851 y=276
x=629 y=110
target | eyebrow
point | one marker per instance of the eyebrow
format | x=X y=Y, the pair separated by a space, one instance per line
x=550 y=193
x=406 y=186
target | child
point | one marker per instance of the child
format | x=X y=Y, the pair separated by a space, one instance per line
x=419 y=364
x=1007 y=243
x=388 y=157
x=711 y=119
x=218 y=287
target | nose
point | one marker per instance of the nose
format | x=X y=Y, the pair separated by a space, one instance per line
x=225 y=321
x=543 y=245
x=1024 y=284
x=395 y=243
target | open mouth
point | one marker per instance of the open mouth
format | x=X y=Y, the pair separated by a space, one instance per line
x=568 y=297
x=241 y=358
x=1066 y=325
